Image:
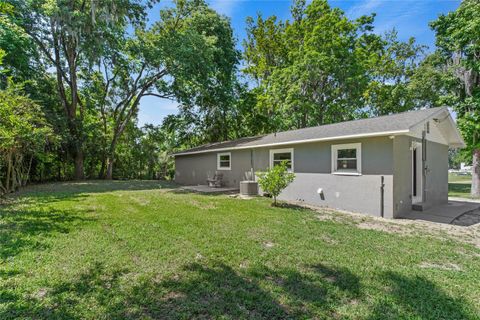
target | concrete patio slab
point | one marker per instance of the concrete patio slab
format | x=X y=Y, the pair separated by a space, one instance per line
x=448 y=213
x=209 y=190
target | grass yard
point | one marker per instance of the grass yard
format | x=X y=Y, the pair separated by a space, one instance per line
x=459 y=185
x=129 y=250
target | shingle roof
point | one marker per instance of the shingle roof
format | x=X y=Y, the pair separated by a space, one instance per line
x=390 y=124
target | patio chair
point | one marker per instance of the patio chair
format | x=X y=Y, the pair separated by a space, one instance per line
x=216 y=181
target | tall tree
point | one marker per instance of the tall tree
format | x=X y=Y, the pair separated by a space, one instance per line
x=458 y=43
x=23 y=135
x=390 y=88
x=321 y=67
x=188 y=55
x=313 y=68
x=70 y=34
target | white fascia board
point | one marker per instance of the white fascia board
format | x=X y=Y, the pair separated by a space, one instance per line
x=458 y=142
x=353 y=136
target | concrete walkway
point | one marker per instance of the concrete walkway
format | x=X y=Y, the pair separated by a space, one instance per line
x=456 y=212
x=463 y=199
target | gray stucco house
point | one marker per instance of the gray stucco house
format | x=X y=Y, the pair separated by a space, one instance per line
x=382 y=166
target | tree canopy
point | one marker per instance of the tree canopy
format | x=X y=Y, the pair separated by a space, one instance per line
x=458 y=62
x=78 y=71
x=321 y=67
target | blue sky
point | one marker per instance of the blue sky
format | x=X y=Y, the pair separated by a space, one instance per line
x=408 y=17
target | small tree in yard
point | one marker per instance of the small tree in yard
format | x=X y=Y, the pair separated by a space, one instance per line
x=275 y=179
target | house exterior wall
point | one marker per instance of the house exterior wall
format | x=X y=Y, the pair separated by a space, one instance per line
x=381 y=157
x=436 y=177
x=312 y=166
x=197 y=168
x=437 y=174
x=313 y=170
x=352 y=193
x=402 y=175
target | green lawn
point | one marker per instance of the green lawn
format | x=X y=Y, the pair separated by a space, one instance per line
x=459 y=185
x=129 y=250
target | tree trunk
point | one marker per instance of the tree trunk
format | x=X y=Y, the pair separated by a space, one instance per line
x=78 y=163
x=476 y=173
x=9 y=171
x=111 y=156
x=109 y=175
x=2 y=189
x=101 y=173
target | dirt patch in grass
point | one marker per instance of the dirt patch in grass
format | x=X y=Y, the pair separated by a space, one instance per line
x=268 y=244
x=141 y=201
x=328 y=239
x=203 y=205
x=385 y=227
x=441 y=266
x=173 y=296
x=40 y=294
x=467 y=253
x=404 y=227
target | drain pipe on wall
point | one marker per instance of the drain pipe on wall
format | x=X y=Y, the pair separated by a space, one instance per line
x=424 y=164
x=382 y=196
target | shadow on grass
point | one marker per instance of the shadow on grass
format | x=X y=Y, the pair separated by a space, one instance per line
x=419 y=298
x=26 y=218
x=218 y=291
x=24 y=229
x=203 y=292
x=95 y=186
x=291 y=206
x=314 y=293
x=52 y=192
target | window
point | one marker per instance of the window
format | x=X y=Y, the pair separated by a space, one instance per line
x=346 y=159
x=279 y=155
x=224 y=161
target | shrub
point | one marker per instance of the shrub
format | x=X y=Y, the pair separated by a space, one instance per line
x=275 y=179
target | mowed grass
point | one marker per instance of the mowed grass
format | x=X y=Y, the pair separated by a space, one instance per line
x=459 y=185
x=142 y=250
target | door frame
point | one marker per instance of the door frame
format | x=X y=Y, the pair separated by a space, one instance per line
x=416 y=158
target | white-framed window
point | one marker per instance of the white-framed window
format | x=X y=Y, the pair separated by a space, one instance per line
x=277 y=156
x=224 y=161
x=347 y=159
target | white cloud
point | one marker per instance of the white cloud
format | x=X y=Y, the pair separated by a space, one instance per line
x=225 y=7
x=364 y=7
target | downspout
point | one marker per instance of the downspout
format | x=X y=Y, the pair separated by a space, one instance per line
x=382 y=197
x=424 y=166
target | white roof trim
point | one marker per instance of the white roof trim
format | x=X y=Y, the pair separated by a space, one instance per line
x=462 y=143
x=443 y=109
x=352 y=136
x=458 y=142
